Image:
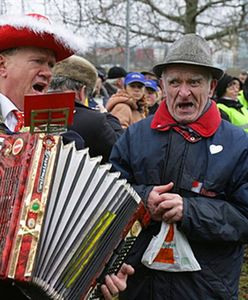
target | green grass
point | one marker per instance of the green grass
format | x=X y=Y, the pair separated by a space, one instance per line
x=243 y=285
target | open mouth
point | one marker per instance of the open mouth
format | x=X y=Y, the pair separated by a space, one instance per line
x=185 y=105
x=39 y=87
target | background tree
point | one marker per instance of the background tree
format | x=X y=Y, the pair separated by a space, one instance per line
x=153 y=23
x=156 y=22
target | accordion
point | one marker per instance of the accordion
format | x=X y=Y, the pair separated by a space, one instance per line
x=65 y=218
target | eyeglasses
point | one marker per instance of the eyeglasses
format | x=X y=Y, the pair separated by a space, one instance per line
x=136 y=85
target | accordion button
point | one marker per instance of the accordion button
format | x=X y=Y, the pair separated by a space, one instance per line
x=17 y=146
x=135 y=229
x=31 y=223
x=35 y=206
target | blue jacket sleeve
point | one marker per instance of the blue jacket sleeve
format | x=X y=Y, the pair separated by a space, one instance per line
x=213 y=220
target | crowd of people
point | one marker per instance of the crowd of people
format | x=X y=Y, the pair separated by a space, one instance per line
x=176 y=133
x=130 y=100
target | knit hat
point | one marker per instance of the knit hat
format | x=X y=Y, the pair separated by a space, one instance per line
x=116 y=72
x=77 y=68
x=134 y=77
x=191 y=49
x=35 y=30
x=223 y=84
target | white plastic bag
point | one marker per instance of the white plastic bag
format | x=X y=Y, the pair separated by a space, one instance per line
x=170 y=251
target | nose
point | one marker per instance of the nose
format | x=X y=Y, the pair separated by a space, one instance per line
x=46 y=71
x=184 y=90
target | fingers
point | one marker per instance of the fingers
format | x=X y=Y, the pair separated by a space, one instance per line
x=125 y=270
x=110 y=289
x=171 y=210
x=161 y=201
x=160 y=189
x=173 y=215
x=116 y=283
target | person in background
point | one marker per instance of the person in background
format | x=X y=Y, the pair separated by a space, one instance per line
x=130 y=104
x=190 y=167
x=115 y=80
x=99 y=96
x=243 y=94
x=150 y=75
x=98 y=130
x=153 y=100
x=30 y=45
x=226 y=96
x=242 y=76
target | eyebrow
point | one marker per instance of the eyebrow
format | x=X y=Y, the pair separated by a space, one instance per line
x=193 y=78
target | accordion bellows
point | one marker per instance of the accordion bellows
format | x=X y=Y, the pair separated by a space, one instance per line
x=62 y=213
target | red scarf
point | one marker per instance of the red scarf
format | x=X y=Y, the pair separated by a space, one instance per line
x=205 y=126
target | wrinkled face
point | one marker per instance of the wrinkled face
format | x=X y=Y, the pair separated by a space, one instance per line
x=136 y=90
x=187 y=90
x=26 y=70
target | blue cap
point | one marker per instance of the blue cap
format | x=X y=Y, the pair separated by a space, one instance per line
x=134 y=77
x=152 y=84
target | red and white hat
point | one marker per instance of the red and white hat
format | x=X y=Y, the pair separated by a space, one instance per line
x=35 y=30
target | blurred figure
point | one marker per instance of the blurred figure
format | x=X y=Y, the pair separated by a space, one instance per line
x=149 y=75
x=231 y=109
x=115 y=80
x=242 y=76
x=129 y=105
x=152 y=92
x=99 y=96
x=243 y=94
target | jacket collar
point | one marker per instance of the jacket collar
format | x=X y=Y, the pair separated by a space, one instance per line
x=205 y=126
x=230 y=102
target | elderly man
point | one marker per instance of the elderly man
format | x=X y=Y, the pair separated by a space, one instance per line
x=191 y=169
x=29 y=48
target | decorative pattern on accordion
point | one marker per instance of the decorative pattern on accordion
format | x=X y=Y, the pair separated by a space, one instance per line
x=62 y=215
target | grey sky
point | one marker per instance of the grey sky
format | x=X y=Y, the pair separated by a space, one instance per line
x=17 y=6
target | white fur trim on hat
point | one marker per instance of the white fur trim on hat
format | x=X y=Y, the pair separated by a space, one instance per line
x=43 y=25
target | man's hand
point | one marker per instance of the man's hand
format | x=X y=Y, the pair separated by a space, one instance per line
x=116 y=283
x=165 y=206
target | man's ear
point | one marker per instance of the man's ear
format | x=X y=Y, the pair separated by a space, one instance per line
x=82 y=94
x=3 y=72
x=212 y=87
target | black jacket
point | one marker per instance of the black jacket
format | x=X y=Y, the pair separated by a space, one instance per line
x=99 y=130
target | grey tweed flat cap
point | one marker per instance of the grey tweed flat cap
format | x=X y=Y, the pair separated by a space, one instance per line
x=191 y=49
